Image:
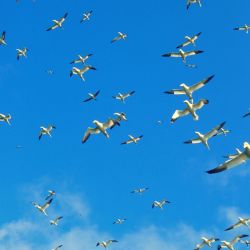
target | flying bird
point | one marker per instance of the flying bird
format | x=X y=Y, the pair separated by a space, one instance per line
x=119 y=221
x=247 y=242
x=46 y=131
x=22 y=52
x=105 y=244
x=182 y=54
x=5 y=118
x=243 y=28
x=241 y=222
x=119 y=37
x=2 y=39
x=57 y=247
x=122 y=97
x=189 y=40
x=190 y=109
x=160 y=204
x=92 y=96
x=58 y=23
x=189 y=90
x=132 y=139
x=42 y=208
x=81 y=59
x=55 y=221
x=80 y=72
x=233 y=162
x=86 y=16
x=139 y=190
x=206 y=241
x=223 y=131
x=51 y=193
x=204 y=138
x=189 y=2
x=230 y=245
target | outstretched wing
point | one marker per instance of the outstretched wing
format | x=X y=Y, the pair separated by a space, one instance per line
x=179 y=113
x=172 y=54
x=201 y=84
x=89 y=132
x=200 y=104
x=46 y=205
x=175 y=92
x=238 y=237
x=214 y=131
x=193 y=52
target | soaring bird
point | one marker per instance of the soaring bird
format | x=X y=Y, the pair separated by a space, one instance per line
x=81 y=59
x=92 y=96
x=58 y=23
x=122 y=97
x=51 y=193
x=223 y=131
x=100 y=128
x=132 y=139
x=189 y=2
x=189 y=40
x=233 y=162
x=22 y=52
x=46 y=131
x=160 y=204
x=86 y=16
x=105 y=244
x=56 y=248
x=139 y=190
x=42 y=208
x=190 y=109
x=241 y=222
x=232 y=156
x=55 y=221
x=205 y=241
x=182 y=54
x=204 y=138
x=230 y=245
x=119 y=221
x=189 y=90
x=119 y=37
x=2 y=39
x=247 y=242
x=243 y=28
x=5 y=118
x=80 y=72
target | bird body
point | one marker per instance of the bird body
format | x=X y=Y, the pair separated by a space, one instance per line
x=160 y=204
x=58 y=23
x=46 y=131
x=133 y=139
x=139 y=190
x=42 y=208
x=81 y=72
x=119 y=37
x=119 y=221
x=5 y=118
x=2 y=39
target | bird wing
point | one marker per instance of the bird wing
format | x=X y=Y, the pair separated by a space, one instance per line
x=58 y=218
x=200 y=104
x=46 y=205
x=193 y=141
x=193 y=52
x=195 y=37
x=52 y=27
x=97 y=93
x=233 y=226
x=238 y=237
x=62 y=19
x=247 y=114
x=199 y=246
x=116 y=39
x=183 y=44
x=200 y=84
x=89 y=132
x=88 y=99
x=127 y=142
x=239 y=159
x=172 y=54
x=214 y=131
x=179 y=113
x=175 y=92
x=3 y=35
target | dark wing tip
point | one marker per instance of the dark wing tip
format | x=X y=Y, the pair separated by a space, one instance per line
x=206 y=101
x=215 y=170
x=209 y=78
x=166 y=55
x=169 y=92
x=188 y=142
x=198 y=51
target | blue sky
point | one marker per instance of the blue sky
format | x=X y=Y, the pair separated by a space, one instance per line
x=94 y=180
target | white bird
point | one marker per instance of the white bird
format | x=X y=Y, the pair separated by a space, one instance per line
x=46 y=131
x=80 y=72
x=205 y=241
x=92 y=96
x=57 y=247
x=160 y=204
x=233 y=162
x=247 y=242
x=51 y=193
x=230 y=245
x=119 y=221
x=223 y=131
x=189 y=90
x=5 y=118
x=105 y=244
x=204 y=138
x=86 y=16
x=189 y=2
x=241 y=222
x=190 y=109
x=22 y=52
x=182 y=54
x=81 y=59
x=42 y=208
x=55 y=221
x=100 y=128
x=58 y=23
x=122 y=97
x=189 y=40
x=243 y=28
x=2 y=39
x=232 y=156
x=139 y=190
x=119 y=37
x=132 y=139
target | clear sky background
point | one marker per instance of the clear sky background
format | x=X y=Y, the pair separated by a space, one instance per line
x=93 y=181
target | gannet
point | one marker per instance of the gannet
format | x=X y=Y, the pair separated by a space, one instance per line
x=46 y=131
x=230 y=245
x=119 y=37
x=139 y=190
x=55 y=221
x=22 y=52
x=241 y=222
x=244 y=28
x=204 y=138
x=2 y=39
x=205 y=241
x=190 y=40
x=43 y=208
x=92 y=96
x=160 y=204
x=223 y=131
x=81 y=59
x=122 y=97
x=57 y=247
x=232 y=156
x=86 y=16
x=189 y=2
x=189 y=90
x=105 y=244
x=132 y=139
x=100 y=128
x=119 y=221
x=5 y=118
x=182 y=54
x=58 y=23
x=239 y=159
x=247 y=242
x=51 y=193
x=80 y=72
x=190 y=109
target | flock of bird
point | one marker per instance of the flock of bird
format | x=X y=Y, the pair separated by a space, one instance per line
x=191 y=108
